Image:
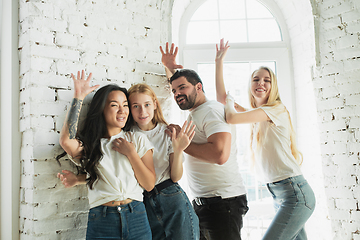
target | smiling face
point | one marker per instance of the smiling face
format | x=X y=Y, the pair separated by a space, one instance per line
x=142 y=109
x=116 y=112
x=184 y=93
x=260 y=86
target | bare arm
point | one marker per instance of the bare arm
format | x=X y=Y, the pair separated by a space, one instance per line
x=251 y=116
x=219 y=74
x=168 y=59
x=180 y=142
x=216 y=150
x=69 y=179
x=68 y=132
x=143 y=167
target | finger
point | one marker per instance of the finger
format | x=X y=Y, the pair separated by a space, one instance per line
x=217 y=48
x=167 y=48
x=94 y=87
x=173 y=134
x=190 y=124
x=184 y=125
x=227 y=44
x=172 y=48
x=89 y=77
x=161 y=50
x=192 y=135
x=78 y=75
x=83 y=74
x=176 y=51
x=73 y=77
x=179 y=66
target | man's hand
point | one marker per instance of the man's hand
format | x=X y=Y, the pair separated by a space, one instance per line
x=168 y=58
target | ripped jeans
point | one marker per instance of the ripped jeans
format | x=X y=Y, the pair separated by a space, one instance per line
x=294 y=202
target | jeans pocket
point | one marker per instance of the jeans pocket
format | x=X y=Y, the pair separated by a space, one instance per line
x=171 y=190
x=138 y=208
x=308 y=194
x=94 y=214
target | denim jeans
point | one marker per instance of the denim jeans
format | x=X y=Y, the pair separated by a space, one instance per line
x=171 y=215
x=127 y=221
x=294 y=202
x=221 y=219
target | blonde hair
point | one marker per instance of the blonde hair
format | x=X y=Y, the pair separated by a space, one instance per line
x=273 y=100
x=146 y=89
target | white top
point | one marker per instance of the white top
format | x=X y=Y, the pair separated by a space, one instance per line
x=210 y=179
x=162 y=150
x=274 y=160
x=117 y=180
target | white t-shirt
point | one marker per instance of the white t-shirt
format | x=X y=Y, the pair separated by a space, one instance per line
x=210 y=179
x=162 y=150
x=117 y=180
x=274 y=160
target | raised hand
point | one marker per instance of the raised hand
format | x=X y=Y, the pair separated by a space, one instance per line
x=182 y=139
x=82 y=86
x=168 y=58
x=221 y=50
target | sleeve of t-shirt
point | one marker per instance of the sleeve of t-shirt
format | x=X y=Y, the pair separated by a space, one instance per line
x=142 y=143
x=214 y=122
x=276 y=113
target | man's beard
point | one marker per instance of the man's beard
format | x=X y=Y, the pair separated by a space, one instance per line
x=188 y=102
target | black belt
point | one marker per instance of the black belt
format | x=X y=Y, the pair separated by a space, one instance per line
x=160 y=186
x=205 y=201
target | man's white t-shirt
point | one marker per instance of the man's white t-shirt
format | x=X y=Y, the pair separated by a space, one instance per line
x=117 y=179
x=273 y=158
x=210 y=179
x=162 y=150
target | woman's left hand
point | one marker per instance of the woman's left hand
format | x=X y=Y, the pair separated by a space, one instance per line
x=182 y=139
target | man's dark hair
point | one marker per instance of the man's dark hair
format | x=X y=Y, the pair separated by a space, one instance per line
x=190 y=75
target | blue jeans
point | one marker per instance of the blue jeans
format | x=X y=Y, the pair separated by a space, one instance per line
x=294 y=202
x=171 y=215
x=221 y=218
x=127 y=221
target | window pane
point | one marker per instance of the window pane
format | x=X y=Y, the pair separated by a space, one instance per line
x=232 y=9
x=256 y=10
x=234 y=30
x=202 y=32
x=266 y=30
x=207 y=11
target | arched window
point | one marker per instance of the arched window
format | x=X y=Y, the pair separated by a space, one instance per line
x=254 y=30
x=235 y=20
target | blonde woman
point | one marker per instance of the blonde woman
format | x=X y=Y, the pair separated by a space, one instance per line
x=169 y=210
x=276 y=157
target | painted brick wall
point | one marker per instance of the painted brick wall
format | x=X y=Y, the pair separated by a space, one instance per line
x=337 y=89
x=115 y=40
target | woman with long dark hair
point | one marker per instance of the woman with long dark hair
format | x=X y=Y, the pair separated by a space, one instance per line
x=118 y=164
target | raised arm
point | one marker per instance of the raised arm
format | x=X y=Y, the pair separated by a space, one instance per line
x=68 y=132
x=180 y=142
x=221 y=50
x=168 y=59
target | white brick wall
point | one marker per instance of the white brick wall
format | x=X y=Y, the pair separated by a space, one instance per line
x=115 y=40
x=337 y=85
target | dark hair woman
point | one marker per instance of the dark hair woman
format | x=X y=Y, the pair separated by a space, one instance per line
x=118 y=164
